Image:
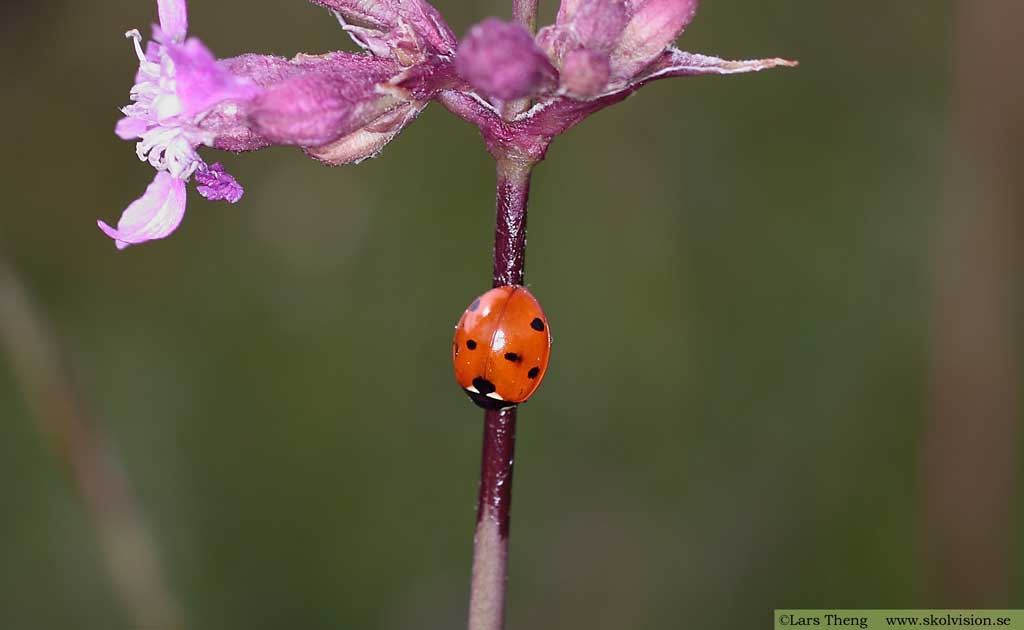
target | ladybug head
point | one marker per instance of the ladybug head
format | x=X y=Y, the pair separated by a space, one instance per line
x=482 y=393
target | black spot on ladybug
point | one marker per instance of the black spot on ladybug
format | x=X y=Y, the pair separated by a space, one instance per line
x=475 y=305
x=537 y=324
x=471 y=344
x=511 y=356
x=534 y=371
x=489 y=403
x=483 y=385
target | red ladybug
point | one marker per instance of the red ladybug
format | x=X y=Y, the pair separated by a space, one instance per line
x=501 y=347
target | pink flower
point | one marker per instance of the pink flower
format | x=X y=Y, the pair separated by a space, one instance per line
x=177 y=82
x=343 y=108
x=338 y=107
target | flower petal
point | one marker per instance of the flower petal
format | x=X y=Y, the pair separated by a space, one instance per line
x=173 y=19
x=129 y=128
x=501 y=60
x=154 y=215
x=201 y=82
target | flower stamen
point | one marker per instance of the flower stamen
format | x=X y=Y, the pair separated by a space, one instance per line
x=136 y=37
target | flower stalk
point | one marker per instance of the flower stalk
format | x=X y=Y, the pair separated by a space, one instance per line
x=525 y=12
x=490 y=544
x=513 y=191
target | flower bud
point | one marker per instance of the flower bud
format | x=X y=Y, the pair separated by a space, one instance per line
x=599 y=24
x=501 y=60
x=655 y=24
x=335 y=97
x=584 y=74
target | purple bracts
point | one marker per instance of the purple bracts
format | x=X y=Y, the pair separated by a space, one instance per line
x=343 y=108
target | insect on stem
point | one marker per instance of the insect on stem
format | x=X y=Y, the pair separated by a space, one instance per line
x=490 y=544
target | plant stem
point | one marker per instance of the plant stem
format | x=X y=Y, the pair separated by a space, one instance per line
x=490 y=544
x=525 y=12
x=513 y=191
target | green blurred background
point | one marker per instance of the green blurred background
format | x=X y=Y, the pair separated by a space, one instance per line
x=739 y=274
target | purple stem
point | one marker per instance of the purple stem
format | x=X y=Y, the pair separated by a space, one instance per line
x=513 y=192
x=525 y=12
x=490 y=544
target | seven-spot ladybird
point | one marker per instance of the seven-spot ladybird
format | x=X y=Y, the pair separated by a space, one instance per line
x=501 y=347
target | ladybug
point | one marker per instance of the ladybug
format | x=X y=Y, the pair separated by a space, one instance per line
x=501 y=347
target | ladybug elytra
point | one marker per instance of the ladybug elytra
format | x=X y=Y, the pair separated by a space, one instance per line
x=501 y=347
